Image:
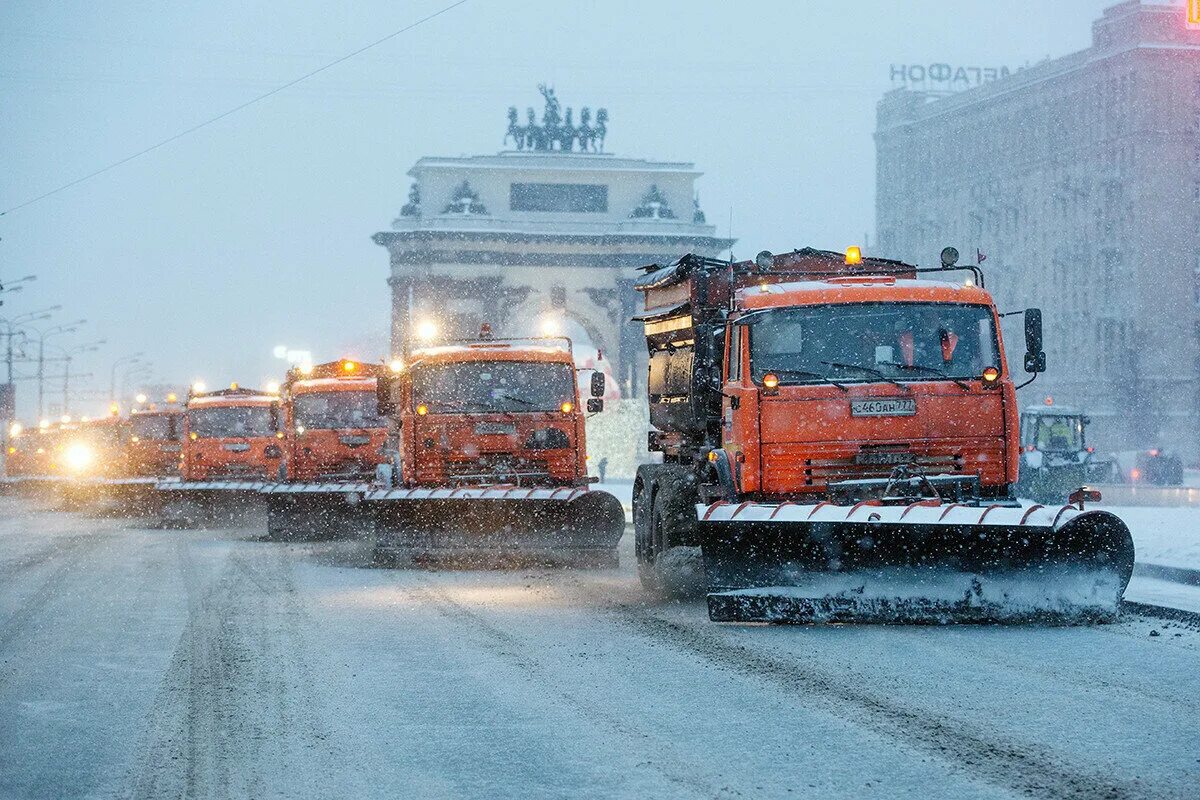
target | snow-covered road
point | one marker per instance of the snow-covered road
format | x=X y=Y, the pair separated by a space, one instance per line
x=143 y=663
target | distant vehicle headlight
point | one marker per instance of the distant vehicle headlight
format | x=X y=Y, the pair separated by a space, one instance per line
x=79 y=457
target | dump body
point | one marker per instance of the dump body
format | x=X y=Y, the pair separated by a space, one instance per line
x=492 y=457
x=816 y=383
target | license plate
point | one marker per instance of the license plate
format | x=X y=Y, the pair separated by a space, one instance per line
x=355 y=441
x=883 y=457
x=495 y=429
x=884 y=407
x=237 y=448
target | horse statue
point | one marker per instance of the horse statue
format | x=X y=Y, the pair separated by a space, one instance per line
x=533 y=134
x=601 y=128
x=566 y=133
x=584 y=132
x=514 y=129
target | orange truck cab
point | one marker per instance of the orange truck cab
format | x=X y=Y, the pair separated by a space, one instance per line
x=492 y=457
x=332 y=424
x=232 y=435
x=492 y=412
x=154 y=448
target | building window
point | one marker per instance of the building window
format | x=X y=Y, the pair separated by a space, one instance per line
x=570 y=198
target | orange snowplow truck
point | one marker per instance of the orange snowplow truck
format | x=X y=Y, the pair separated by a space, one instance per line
x=232 y=446
x=155 y=442
x=334 y=439
x=492 y=457
x=840 y=439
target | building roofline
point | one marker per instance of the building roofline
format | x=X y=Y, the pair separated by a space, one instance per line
x=938 y=105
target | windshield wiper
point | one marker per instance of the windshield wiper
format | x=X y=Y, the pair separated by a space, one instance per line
x=870 y=371
x=811 y=374
x=475 y=408
x=522 y=401
x=930 y=370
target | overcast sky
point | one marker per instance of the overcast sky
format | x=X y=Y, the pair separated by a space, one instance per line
x=256 y=231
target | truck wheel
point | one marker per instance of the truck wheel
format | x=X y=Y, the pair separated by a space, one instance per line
x=667 y=566
x=643 y=546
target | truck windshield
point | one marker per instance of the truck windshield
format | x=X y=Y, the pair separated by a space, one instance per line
x=153 y=426
x=867 y=341
x=337 y=410
x=231 y=421
x=506 y=386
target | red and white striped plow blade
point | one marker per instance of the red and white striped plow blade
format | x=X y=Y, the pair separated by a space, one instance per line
x=926 y=562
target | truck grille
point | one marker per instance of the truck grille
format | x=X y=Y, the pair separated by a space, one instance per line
x=876 y=464
x=492 y=469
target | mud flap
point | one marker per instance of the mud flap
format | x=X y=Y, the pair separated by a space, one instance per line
x=925 y=563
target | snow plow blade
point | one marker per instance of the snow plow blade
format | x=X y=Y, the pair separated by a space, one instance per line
x=491 y=526
x=316 y=510
x=928 y=563
x=211 y=504
x=118 y=497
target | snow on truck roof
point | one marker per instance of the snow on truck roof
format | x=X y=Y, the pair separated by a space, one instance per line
x=355 y=384
x=492 y=351
x=231 y=400
x=858 y=289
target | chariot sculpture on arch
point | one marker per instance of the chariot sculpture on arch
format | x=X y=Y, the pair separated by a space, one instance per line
x=557 y=131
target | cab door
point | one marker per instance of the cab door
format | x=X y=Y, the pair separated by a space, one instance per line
x=739 y=411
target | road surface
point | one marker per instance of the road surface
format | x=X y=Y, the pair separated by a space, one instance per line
x=138 y=663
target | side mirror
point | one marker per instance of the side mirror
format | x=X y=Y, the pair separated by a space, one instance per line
x=595 y=405
x=385 y=388
x=1035 y=358
x=597 y=386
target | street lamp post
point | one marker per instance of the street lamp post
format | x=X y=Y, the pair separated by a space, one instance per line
x=57 y=330
x=68 y=354
x=132 y=358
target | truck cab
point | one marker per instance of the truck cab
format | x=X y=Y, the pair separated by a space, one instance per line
x=232 y=434
x=333 y=428
x=492 y=412
x=154 y=448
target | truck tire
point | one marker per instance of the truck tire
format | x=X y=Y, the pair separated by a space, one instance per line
x=669 y=565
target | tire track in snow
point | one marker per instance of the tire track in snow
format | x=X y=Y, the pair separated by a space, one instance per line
x=669 y=762
x=236 y=712
x=1013 y=766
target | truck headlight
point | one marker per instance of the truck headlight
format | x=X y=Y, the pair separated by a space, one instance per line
x=79 y=457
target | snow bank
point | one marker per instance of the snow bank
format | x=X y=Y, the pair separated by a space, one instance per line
x=1166 y=536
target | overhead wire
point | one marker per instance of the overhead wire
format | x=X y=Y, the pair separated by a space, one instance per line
x=233 y=110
